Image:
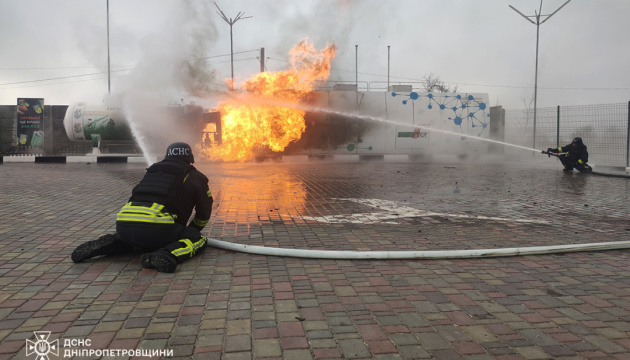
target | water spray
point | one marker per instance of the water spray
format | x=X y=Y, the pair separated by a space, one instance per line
x=374 y=118
x=247 y=99
x=136 y=133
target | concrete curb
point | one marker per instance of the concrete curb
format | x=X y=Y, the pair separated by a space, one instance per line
x=73 y=159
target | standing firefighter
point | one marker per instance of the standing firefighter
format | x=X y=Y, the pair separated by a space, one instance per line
x=155 y=218
x=573 y=155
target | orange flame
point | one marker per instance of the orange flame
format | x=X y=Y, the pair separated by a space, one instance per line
x=249 y=129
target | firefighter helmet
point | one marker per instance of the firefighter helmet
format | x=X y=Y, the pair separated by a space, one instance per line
x=578 y=141
x=180 y=151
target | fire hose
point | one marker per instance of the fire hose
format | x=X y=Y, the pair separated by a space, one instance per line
x=420 y=254
x=550 y=154
x=423 y=254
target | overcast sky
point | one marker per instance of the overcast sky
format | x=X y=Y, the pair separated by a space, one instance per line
x=480 y=46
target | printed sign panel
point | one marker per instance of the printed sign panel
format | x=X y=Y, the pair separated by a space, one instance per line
x=408 y=137
x=30 y=122
x=394 y=123
x=414 y=122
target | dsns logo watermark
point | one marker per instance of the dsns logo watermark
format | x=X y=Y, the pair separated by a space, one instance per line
x=41 y=347
x=72 y=348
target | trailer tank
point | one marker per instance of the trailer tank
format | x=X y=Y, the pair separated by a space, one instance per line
x=82 y=121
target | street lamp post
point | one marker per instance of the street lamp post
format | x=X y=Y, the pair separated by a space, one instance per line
x=109 y=86
x=537 y=16
x=231 y=22
x=387 y=67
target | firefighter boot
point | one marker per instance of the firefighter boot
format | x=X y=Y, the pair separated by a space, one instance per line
x=159 y=260
x=101 y=246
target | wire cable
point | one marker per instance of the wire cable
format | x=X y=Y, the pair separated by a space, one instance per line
x=471 y=84
x=101 y=73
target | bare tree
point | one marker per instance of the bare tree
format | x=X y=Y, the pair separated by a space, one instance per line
x=432 y=83
x=528 y=111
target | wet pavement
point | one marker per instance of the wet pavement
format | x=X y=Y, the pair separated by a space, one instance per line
x=229 y=305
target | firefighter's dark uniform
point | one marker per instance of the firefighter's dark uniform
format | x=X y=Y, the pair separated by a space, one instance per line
x=147 y=222
x=575 y=155
x=156 y=216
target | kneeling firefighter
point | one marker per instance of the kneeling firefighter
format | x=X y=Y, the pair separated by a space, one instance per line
x=156 y=215
x=573 y=155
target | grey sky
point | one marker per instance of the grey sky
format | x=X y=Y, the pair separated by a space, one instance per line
x=482 y=46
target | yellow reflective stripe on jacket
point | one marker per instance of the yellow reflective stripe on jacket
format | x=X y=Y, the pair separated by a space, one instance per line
x=200 y=223
x=580 y=161
x=190 y=248
x=560 y=149
x=209 y=194
x=144 y=214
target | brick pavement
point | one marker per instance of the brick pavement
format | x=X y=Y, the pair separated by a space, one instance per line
x=226 y=305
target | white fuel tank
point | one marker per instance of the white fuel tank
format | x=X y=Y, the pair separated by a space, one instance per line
x=83 y=120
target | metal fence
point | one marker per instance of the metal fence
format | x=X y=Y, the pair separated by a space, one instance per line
x=605 y=129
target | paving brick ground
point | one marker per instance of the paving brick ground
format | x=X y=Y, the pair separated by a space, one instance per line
x=227 y=305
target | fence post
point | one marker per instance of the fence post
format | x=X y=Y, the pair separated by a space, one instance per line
x=558 y=128
x=47 y=127
x=628 y=139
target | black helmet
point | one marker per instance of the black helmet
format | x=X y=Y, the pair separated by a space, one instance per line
x=180 y=151
x=578 y=140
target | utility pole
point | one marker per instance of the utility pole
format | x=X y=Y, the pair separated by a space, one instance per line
x=109 y=82
x=231 y=22
x=356 y=75
x=356 y=65
x=387 y=67
x=537 y=16
x=262 y=59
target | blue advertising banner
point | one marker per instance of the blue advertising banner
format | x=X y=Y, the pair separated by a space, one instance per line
x=30 y=122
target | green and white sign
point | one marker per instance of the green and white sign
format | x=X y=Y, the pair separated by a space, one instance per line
x=30 y=122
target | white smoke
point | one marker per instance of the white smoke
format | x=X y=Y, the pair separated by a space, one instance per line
x=173 y=68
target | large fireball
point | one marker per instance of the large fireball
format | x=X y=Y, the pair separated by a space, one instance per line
x=259 y=125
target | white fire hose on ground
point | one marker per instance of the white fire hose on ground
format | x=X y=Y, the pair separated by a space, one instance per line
x=421 y=254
